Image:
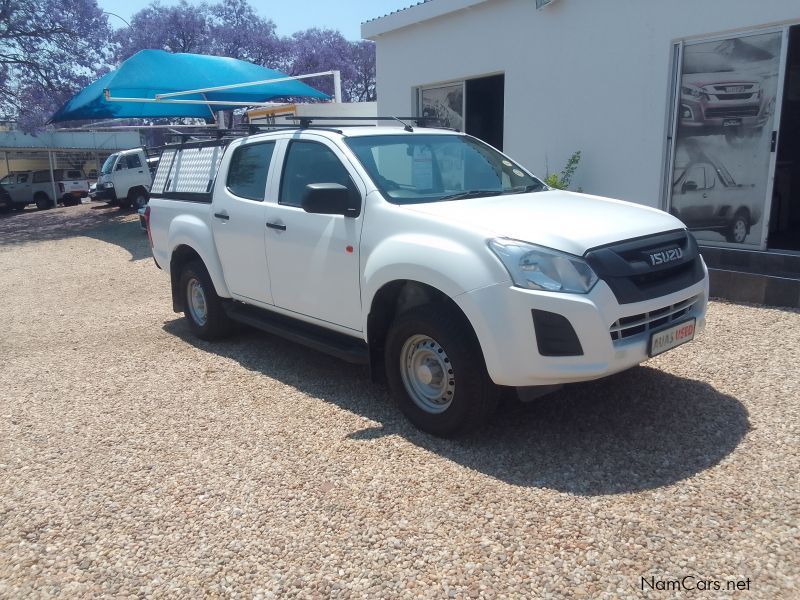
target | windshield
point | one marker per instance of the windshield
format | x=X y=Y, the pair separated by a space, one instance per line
x=109 y=164
x=429 y=168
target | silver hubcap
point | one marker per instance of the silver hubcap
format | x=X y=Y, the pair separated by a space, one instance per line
x=740 y=230
x=427 y=374
x=197 y=301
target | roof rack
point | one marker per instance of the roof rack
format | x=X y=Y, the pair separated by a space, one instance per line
x=214 y=137
x=306 y=121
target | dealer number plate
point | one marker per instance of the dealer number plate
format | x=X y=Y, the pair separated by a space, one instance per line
x=667 y=339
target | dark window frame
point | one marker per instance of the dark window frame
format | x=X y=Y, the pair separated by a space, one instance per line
x=318 y=143
x=266 y=179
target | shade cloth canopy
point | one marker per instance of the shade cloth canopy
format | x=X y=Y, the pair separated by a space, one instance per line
x=151 y=72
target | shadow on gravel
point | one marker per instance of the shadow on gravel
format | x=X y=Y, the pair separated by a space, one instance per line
x=637 y=430
x=102 y=222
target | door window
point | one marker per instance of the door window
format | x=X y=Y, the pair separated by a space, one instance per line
x=310 y=162
x=695 y=179
x=132 y=161
x=247 y=174
x=22 y=178
x=41 y=176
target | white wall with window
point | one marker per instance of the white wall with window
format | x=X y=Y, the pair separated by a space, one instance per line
x=623 y=81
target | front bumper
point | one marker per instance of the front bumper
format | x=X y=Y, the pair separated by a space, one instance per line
x=501 y=317
x=104 y=194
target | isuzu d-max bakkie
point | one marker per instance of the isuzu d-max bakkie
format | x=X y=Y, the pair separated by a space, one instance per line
x=440 y=262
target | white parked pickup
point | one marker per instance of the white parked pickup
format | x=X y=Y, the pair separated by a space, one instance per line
x=443 y=264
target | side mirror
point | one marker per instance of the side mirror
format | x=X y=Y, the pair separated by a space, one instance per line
x=689 y=186
x=330 y=199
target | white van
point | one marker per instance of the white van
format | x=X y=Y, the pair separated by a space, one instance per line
x=125 y=179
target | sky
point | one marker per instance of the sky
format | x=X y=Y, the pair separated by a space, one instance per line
x=289 y=15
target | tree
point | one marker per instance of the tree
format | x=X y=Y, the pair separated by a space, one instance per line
x=48 y=50
x=179 y=28
x=360 y=87
x=315 y=50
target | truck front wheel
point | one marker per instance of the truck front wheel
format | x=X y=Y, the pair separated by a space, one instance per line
x=436 y=372
x=203 y=308
x=42 y=201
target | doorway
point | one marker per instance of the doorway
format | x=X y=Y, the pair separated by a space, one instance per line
x=485 y=98
x=784 y=222
x=475 y=106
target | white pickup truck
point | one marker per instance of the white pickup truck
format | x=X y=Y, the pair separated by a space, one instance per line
x=425 y=253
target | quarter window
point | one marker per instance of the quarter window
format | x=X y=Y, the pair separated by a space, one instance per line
x=247 y=174
x=310 y=162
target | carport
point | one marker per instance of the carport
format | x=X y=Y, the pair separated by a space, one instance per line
x=53 y=150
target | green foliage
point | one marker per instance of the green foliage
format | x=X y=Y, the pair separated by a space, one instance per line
x=561 y=181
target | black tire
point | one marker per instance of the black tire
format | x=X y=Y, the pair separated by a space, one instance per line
x=738 y=229
x=137 y=198
x=216 y=324
x=474 y=395
x=42 y=201
x=5 y=208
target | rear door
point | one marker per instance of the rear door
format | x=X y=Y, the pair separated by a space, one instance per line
x=238 y=219
x=314 y=258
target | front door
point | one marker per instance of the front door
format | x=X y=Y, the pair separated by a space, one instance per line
x=19 y=187
x=314 y=258
x=238 y=215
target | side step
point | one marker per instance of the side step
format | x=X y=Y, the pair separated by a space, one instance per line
x=336 y=344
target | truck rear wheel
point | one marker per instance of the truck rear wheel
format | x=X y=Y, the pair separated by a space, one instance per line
x=203 y=308
x=436 y=372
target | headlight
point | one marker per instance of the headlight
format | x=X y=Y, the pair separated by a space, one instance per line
x=536 y=268
x=108 y=184
x=694 y=92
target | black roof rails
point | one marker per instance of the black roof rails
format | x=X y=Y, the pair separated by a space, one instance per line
x=306 y=121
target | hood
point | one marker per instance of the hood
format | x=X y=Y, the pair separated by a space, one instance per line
x=560 y=220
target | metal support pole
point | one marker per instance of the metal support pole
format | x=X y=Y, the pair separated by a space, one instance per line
x=52 y=177
x=8 y=168
x=220 y=119
x=337 y=86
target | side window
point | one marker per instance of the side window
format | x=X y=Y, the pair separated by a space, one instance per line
x=133 y=161
x=695 y=179
x=247 y=174
x=310 y=162
x=22 y=178
x=41 y=176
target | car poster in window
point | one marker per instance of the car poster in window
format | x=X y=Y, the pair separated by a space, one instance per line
x=445 y=104
x=726 y=109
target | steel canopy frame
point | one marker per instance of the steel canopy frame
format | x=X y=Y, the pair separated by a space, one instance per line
x=169 y=97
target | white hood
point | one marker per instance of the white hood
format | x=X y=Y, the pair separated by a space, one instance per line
x=564 y=221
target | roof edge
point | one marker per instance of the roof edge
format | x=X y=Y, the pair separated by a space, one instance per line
x=417 y=13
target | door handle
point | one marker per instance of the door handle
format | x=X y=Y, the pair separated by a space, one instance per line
x=277 y=226
x=223 y=216
x=705 y=195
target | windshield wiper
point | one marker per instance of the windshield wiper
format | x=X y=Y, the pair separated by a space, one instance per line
x=471 y=194
x=534 y=187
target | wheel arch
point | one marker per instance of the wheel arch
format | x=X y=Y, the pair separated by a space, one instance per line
x=392 y=299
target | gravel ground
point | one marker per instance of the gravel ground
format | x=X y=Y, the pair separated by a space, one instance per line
x=137 y=461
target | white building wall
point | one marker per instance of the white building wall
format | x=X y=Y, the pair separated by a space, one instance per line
x=589 y=75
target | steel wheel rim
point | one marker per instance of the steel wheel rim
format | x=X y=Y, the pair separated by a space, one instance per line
x=196 y=299
x=427 y=374
x=739 y=230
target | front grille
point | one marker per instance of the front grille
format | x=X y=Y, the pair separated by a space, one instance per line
x=744 y=96
x=633 y=325
x=626 y=267
x=732 y=112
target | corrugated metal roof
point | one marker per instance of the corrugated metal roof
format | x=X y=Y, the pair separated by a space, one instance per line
x=399 y=10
